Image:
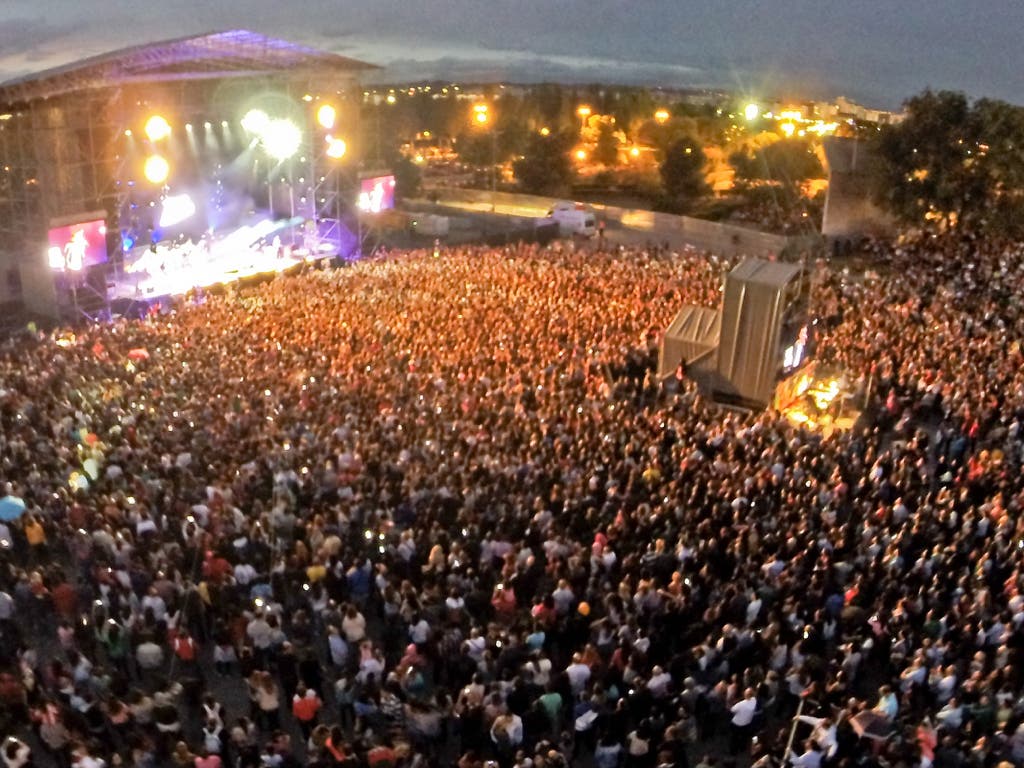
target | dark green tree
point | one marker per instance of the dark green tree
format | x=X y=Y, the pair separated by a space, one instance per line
x=545 y=167
x=682 y=172
x=999 y=157
x=929 y=161
x=787 y=162
x=606 y=150
x=407 y=178
x=475 y=147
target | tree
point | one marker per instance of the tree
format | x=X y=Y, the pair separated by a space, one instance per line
x=545 y=167
x=922 y=158
x=999 y=157
x=407 y=178
x=956 y=162
x=475 y=147
x=606 y=148
x=787 y=162
x=953 y=161
x=682 y=172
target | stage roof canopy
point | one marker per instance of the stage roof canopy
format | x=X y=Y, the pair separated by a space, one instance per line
x=235 y=53
x=776 y=274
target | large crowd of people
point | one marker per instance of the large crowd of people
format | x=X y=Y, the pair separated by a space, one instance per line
x=436 y=509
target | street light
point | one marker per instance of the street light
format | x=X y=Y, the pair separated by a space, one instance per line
x=482 y=117
x=336 y=149
x=584 y=112
x=661 y=115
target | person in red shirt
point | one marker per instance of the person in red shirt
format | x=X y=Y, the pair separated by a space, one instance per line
x=305 y=707
x=187 y=651
x=215 y=568
x=381 y=755
x=504 y=602
x=65 y=600
x=207 y=760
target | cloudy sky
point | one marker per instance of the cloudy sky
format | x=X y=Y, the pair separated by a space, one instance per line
x=876 y=51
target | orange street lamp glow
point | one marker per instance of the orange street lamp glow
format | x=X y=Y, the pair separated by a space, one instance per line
x=581 y=155
x=661 y=115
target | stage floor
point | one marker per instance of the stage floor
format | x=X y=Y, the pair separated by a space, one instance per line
x=177 y=278
x=168 y=269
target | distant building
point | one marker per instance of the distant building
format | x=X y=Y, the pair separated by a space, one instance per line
x=844 y=108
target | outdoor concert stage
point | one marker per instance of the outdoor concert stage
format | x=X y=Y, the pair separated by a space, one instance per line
x=117 y=168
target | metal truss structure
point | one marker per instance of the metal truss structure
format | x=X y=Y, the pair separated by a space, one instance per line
x=71 y=138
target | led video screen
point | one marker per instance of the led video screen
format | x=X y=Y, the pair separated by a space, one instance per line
x=376 y=194
x=75 y=247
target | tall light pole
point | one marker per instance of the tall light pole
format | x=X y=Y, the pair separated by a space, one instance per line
x=584 y=112
x=336 y=149
x=482 y=117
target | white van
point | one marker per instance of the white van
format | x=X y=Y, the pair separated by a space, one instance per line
x=574 y=219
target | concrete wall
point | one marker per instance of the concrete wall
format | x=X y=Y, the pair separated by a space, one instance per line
x=849 y=210
x=723 y=239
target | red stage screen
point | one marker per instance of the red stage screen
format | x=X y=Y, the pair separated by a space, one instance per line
x=376 y=194
x=77 y=246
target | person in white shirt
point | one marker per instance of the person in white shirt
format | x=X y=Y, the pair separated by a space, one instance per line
x=244 y=574
x=743 y=712
x=563 y=597
x=659 y=683
x=810 y=758
x=337 y=646
x=419 y=632
x=476 y=645
x=887 y=703
x=154 y=602
x=823 y=733
x=507 y=731
x=353 y=626
x=578 y=674
x=951 y=715
x=945 y=686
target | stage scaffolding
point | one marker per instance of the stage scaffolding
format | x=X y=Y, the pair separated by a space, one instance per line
x=72 y=141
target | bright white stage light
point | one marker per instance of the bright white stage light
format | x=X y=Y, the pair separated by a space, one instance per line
x=55 y=257
x=255 y=121
x=326 y=116
x=156 y=169
x=176 y=209
x=157 y=128
x=336 y=148
x=281 y=139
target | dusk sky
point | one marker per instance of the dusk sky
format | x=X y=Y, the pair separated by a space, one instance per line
x=876 y=51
